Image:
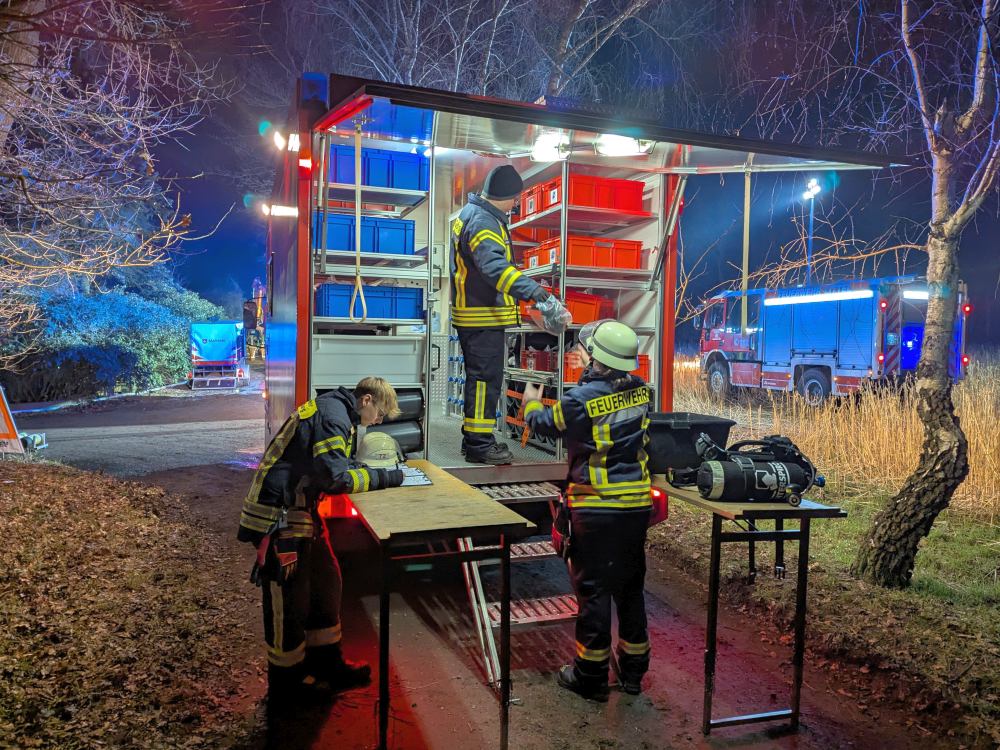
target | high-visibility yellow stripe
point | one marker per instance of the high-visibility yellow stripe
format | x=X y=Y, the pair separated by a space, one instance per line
x=598 y=462
x=618 y=502
x=507 y=280
x=277 y=618
x=480 y=410
x=592 y=654
x=325 y=446
x=639 y=485
x=633 y=649
x=473 y=317
x=484 y=421
x=486 y=234
x=273 y=453
x=324 y=636
x=287 y=658
x=532 y=406
x=367 y=480
x=558 y=417
x=461 y=273
x=307 y=409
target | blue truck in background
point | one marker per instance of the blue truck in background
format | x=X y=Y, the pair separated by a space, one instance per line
x=821 y=341
x=218 y=355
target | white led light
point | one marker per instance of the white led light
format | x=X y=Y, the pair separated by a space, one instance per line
x=279 y=140
x=916 y=294
x=610 y=144
x=265 y=209
x=293 y=142
x=428 y=151
x=284 y=211
x=551 y=145
x=802 y=299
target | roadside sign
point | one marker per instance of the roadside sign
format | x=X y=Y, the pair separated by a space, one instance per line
x=9 y=440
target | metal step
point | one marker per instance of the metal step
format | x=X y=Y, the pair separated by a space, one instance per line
x=534 y=611
x=528 y=492
x=531 y=551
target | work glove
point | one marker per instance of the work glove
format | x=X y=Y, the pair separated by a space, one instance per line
x=286 y=555
x=391 y=477
x=554 y=317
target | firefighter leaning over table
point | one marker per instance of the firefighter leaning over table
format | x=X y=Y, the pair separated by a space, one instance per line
x=603 y=422
x=296 y=567
x=484 y=288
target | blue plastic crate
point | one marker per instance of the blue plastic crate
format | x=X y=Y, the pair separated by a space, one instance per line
x=409 y=303
x=380 y=302
x=377 y=167
x=342 y=164
x=333 y=300
x=340 y=233
x=395 y=236
x=410 y=171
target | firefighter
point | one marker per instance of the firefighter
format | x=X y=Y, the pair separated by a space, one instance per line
x=484 y=288
x=296 y=566
x=603 y=422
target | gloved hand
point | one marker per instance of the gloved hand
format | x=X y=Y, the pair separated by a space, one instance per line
x=392 y=477
x=286 y=554
x=555 y=317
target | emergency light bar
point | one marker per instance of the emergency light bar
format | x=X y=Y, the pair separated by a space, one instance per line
x=801 y=299
x=916 y=294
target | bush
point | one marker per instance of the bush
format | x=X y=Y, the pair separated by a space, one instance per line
x=104 y=343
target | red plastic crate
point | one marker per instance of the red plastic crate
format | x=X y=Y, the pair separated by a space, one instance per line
x=627 y=195
x=542 y=360
x=626 y=254
x=586 y=308
x=643 y=369
x=579 y=252
x=551 y=193
x=531 y=201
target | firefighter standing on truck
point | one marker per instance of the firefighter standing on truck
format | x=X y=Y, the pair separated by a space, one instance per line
x=296 y=567
x=484 y=288
x=603 y=422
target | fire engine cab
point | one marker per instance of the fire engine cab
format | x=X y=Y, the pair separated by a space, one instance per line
x=820 y=341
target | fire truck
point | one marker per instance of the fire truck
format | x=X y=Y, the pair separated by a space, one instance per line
x=821 y=341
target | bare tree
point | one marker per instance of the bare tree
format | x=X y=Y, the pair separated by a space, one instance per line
x=905 y=76
x=88 y=90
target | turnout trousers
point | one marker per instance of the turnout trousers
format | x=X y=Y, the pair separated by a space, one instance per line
x=607 y=563
x=304 y=613
x=484 y=350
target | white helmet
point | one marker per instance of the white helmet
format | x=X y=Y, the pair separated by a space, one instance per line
x=379 y=450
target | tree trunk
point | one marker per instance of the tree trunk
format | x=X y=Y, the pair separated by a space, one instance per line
x=887 y=555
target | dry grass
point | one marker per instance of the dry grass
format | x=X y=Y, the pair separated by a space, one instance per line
x=871 y=442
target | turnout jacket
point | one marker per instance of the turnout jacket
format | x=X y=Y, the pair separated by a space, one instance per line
x=484 y=281
x=604 y=430
x=310 y=454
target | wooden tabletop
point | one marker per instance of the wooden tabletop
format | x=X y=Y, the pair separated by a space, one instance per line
x=737 y=511
x=445 y=510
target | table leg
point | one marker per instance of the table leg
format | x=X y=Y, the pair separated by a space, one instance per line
x=713 y=616
x=383 y=653
x=801 y=587
x=753 y=555
x=779 y=550
x=504 y=640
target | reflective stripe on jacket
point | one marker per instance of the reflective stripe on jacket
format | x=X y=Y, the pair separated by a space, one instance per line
x=605 y=433
x=310 y=454
x=485 y=284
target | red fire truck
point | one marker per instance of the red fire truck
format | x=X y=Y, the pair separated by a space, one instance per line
x=823 y=340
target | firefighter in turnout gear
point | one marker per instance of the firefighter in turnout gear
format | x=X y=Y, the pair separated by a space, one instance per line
x=603 y=422
x=485 y=287
x=296 y=567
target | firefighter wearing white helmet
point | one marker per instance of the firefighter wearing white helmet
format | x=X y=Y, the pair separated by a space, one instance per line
x=603 y=424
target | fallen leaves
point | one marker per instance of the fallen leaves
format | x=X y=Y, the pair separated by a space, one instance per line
x=118 y=623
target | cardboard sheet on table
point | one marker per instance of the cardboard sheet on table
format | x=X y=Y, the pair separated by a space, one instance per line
x=414 y=477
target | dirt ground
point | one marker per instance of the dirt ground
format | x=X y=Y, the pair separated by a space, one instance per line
x=439 y=699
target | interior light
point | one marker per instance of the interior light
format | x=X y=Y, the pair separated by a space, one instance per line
x=611 y=144
x=800 y=299
x=916 y=294
x=306 y=163
x=279 y=140
x=813 y=189
x=550 y=145
x=293 y=142
x=265 y=209
x=284 y=211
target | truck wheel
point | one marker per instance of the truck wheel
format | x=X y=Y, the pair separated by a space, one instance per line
x=814 y=387
x=718 y=381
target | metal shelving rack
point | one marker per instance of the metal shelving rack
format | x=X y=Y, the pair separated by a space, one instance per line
x=591 y=221
x=381 y=268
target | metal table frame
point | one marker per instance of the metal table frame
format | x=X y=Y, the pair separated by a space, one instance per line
x=752 y=514
x=500 y=552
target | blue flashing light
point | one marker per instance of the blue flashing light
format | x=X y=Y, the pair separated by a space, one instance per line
x=263 y=126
